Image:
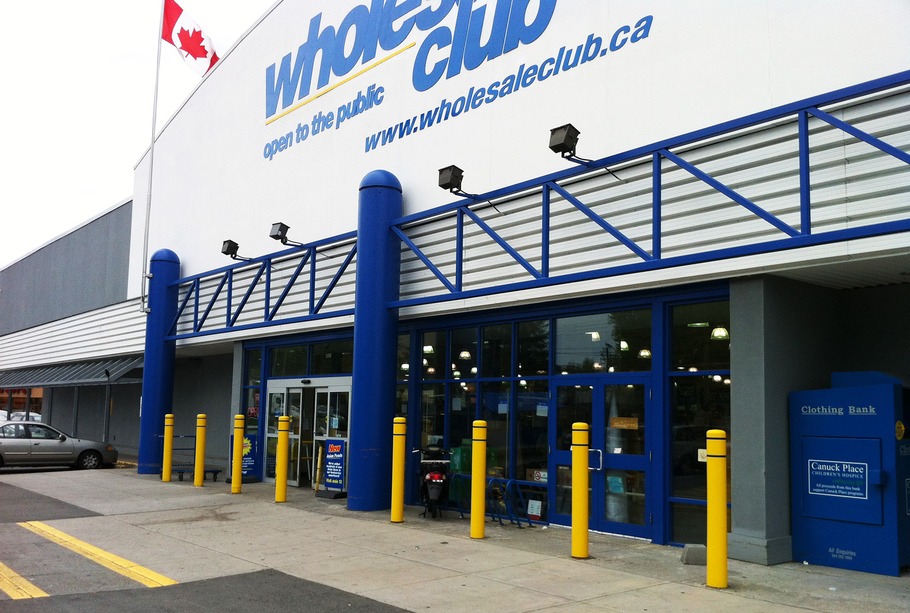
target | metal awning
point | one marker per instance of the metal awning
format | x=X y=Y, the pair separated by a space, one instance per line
x=98 y=372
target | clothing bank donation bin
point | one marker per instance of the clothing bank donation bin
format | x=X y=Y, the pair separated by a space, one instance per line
x=850 y=474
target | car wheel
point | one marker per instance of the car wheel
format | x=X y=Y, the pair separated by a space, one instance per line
x=89 y=460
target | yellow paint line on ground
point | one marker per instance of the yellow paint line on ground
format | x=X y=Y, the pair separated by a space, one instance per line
x=146 y=577
x=16 y=586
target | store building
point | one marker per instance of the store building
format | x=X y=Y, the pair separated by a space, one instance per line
x=732 y=225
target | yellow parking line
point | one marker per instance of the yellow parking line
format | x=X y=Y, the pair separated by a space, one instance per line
x=146 y=577
x=17 y=587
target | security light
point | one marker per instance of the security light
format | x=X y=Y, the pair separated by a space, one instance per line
x=450 y=178
x=279 y=232
x=229 y=248
x=564 y=139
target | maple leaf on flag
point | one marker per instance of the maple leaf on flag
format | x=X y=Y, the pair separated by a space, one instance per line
x=191 y=43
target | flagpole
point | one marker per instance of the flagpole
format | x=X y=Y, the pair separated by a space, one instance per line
x=148 y=191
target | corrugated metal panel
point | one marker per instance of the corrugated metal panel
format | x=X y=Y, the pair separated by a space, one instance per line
x=111 y=331
x=853 y=184
x=79 y=373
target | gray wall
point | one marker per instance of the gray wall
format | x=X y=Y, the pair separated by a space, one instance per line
x=791 y=336
x=84 y=270
x=204 y=385
x=123 y=428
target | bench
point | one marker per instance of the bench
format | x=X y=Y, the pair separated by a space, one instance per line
x=190 y=468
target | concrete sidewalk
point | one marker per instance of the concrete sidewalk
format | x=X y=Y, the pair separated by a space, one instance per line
x=189 y=534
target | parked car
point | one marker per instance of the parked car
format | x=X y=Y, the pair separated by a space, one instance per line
x=29 y=443
x=21 y=416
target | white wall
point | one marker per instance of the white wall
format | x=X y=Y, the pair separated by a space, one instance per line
x=700 y=64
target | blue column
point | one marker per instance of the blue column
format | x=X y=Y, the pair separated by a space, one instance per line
x=375 y=344
x=158 y=371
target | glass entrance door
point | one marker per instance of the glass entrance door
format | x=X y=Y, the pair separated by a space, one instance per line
x=283 y=402
x=332 y=417
x=619 y=453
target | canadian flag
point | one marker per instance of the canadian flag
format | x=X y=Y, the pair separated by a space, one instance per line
x=195 y=47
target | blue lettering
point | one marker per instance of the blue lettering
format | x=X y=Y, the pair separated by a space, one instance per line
x=422 y=79
x=616 y=42
x=476 y=53
x=387 y=24
x=642 y=28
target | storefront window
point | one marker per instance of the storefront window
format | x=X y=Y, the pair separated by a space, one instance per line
x=495 y=410
x=288 y=361
x=401 y=400
x=403 y=359
x=433 y=349
x=497 y=350
x=532 y=417
x=462 y=413
x=575 y=405
x=432 y=415
x=605 y=342
x=701 y=336
x=533 y=348
x=333 y=357
x=463 y=353
x=700 y=343
x=625 y=423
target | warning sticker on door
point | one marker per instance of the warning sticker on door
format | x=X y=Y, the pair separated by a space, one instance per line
x=840 y=479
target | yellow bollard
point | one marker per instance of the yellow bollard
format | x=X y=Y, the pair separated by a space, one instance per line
x=319 y=449
x=167 y=462
x=281 y=459
x=399 y=439
x=580 y=479
x=717 y=509
x=199 y=468
x=237 y=465
x=479 y=480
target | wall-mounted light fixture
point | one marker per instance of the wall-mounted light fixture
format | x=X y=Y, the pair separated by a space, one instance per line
x=564 y=140
x=450 y=178
x=279 y=232
x=229 y=248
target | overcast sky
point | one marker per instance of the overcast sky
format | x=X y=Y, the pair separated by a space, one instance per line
x=76 y=108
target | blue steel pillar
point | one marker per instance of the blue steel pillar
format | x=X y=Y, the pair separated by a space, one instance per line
x=375 y=344
x=158 y=371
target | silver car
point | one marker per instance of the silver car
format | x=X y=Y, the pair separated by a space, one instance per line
x=26 y=443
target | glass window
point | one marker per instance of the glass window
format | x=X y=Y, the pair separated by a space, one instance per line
x=433 y=349
x=605 y=342
x=36 y=431
x=333 y=357
x=12 y=431
x=288 y=361
x=625 y=497
x=432 y=415
x=534 y=348
x=573 y=404
x=624 y=426
x=403 y=361
x=401 y=400
x=462 y=413
x=253 y=367
x=531 y=444
x=495 y=410
x=463 y=354
x=701 y=336
x=699 y=404
x=497 y=351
